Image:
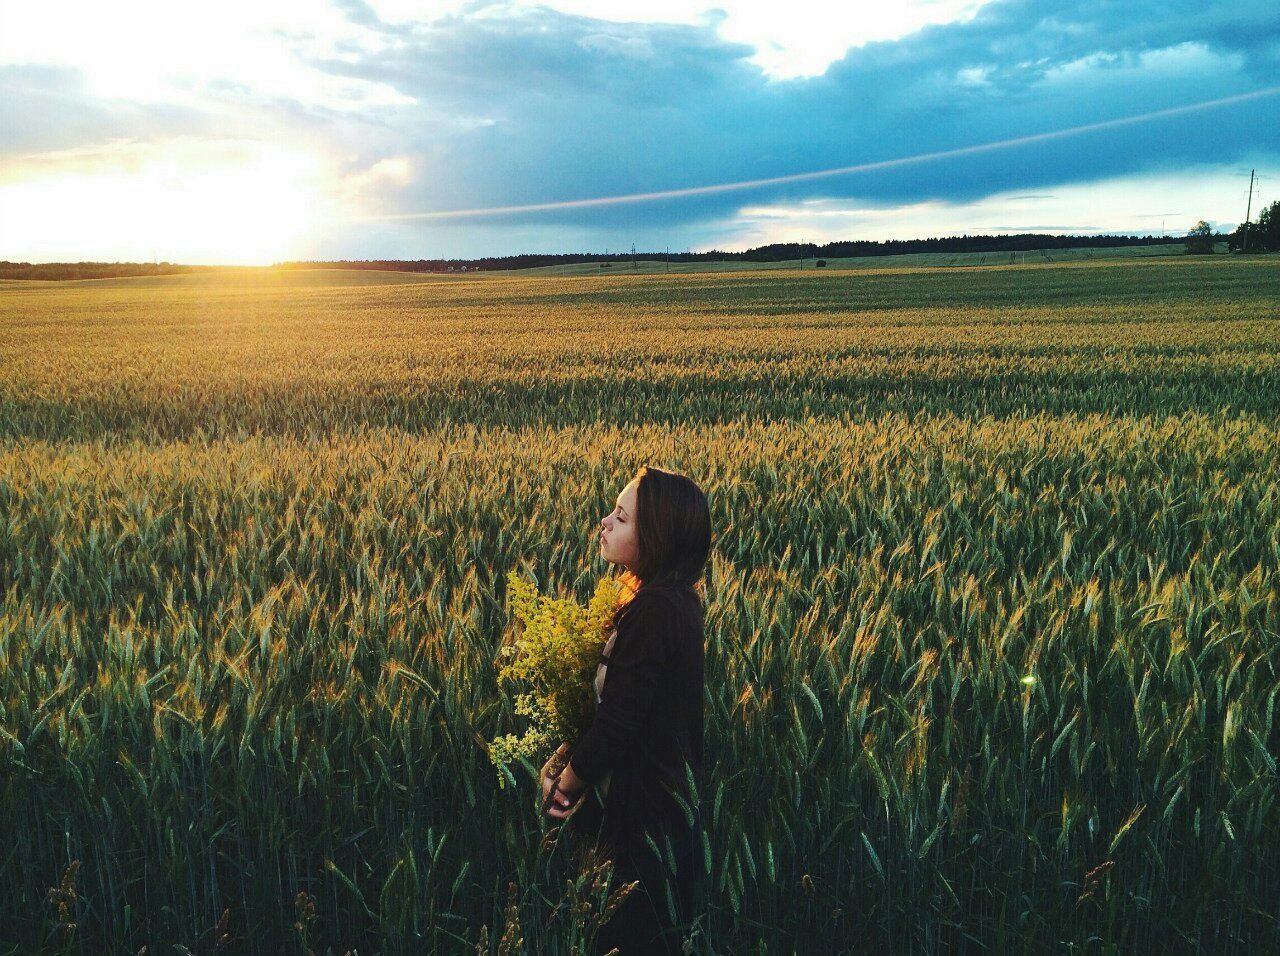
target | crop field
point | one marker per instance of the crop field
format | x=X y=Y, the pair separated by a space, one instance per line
x=993 y=619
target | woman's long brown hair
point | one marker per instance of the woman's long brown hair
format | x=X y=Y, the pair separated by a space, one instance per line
x=673 y=532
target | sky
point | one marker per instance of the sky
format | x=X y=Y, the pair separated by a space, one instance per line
x=253 y=133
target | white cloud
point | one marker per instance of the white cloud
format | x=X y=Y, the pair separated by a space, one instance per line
x=1181 y=60
x=805 y=40
x=153 y=51
x=975 y=76
x=372 y=188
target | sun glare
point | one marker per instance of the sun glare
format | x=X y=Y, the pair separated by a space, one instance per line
x=229 y=203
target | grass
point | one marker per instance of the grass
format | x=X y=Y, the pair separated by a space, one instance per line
x=252 y=545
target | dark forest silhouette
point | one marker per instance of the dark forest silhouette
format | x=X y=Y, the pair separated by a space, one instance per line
x=775 y=252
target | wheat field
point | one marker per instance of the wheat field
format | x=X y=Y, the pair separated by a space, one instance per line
x=993 y=626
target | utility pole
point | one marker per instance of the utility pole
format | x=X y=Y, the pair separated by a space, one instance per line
x=667 y=255
x=1248 y=211
x=633 y=257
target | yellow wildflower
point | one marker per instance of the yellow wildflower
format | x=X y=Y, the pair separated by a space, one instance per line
x=551 y=655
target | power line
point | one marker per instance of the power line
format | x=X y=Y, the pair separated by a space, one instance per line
x=1248 y=211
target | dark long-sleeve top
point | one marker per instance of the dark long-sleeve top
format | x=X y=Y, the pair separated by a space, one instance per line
x=649 y=720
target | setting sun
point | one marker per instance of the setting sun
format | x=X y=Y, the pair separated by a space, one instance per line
x=227 y=202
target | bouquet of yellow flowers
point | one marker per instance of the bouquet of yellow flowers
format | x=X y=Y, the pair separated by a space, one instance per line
x=552 y=657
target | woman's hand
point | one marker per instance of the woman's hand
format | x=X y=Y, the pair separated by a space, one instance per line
x=568 y=792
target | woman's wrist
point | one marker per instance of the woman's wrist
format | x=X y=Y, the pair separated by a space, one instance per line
x=569 y=782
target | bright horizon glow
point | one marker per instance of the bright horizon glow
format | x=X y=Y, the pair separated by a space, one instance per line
x=1151 y=203
x=228 y=203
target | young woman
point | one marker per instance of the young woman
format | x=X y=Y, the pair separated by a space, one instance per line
x=648 y=724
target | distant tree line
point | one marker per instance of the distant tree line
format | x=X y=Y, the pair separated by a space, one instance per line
x=1263 y=234
x=775 y=252
x=92 y=270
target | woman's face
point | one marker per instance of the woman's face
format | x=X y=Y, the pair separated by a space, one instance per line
x=618 y=530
